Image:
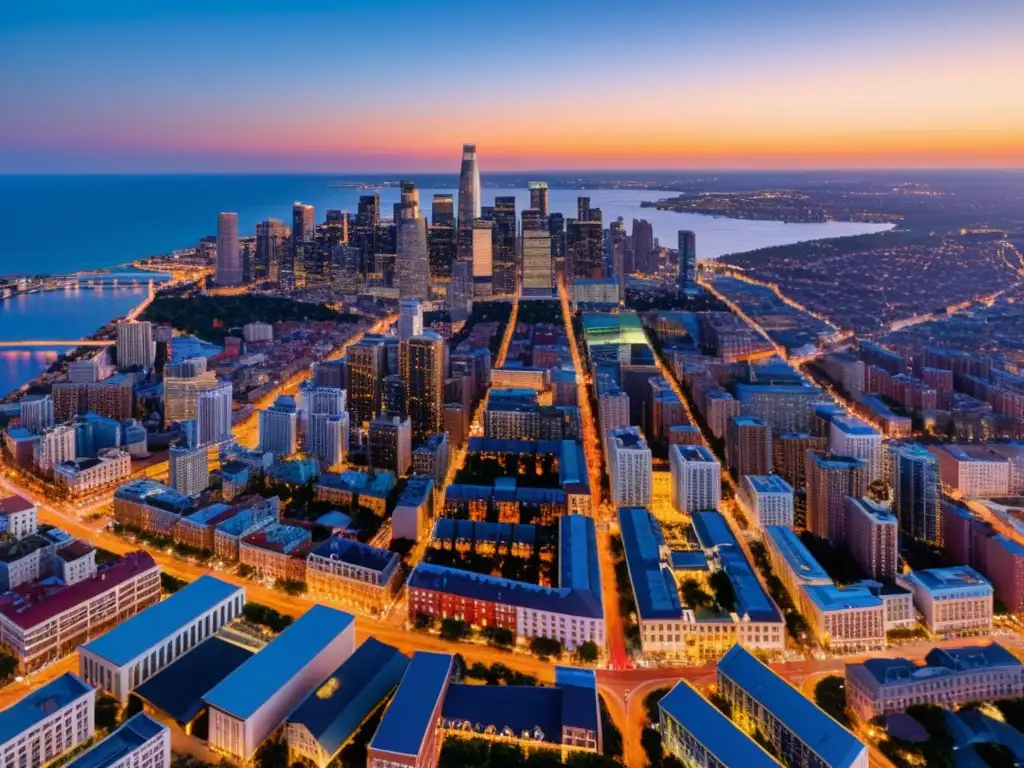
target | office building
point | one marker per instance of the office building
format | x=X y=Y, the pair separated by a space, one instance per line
x=872 y=537
x=252 y=702
x=189 y=469
x=279 y=427
x=422 y=371
x=642 y=235
x=947 y=678
x=390 y=444
x=584 y=248
x=784 y=407
x=539 y=197
x=271 y=244
x=975 y=471
x=139 y=741
x=327 y=438
x=768 y=498
x=36 y=412
x=135 y=345
x=504 y=246
x=329 y=401
x=19 y=517
x=365 y=366
x=412 y=263
x=83 y=474
x=303 y=222
x=470 y=197
x=410 y=318
x=229 y=258
x=330 y=374
x=409 y=733
x=748 y=445
x=181 y=394
x=48 y=723
x=696 y=478
x=538 y=271
x=56 y=445
x=482 y=256
x=353 y=574
x=122 y=659
x=849 y=436
x=830 y=479
x=442 y=211
x=629 y=467
x=797 y=729
x=916 y=495
x=957 y=599
x=213 y=414
x=687 y=261
x=697 y=734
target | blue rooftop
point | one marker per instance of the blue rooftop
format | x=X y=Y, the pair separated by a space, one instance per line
x=698 y=453
x=713 y=532
x=829 y=597
x=121 y=743
x=577 y=554
x=955 y=578
x=409 y=715
x=827 y=460
x=654 y=586
x=40 y=704
x=334 y=712
x=717 y=733
x=689 y=560
x=356 y=553
x=851 y=425
x=836 y=746
x=246 y=689
x=130 y=639
x=800 y=559
x=768 y=484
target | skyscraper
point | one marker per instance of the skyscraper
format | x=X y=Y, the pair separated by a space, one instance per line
x=584 y=248
x=135 y=345
x=460 y=294
x=189 y=469
x=538 y=275
x=410 y=319
x=412 y=264
x=643 y=246
x=303 y=222
x=617 y=253
x=748 y=444
x=327 y=438
x=469 y=187
x=830 y=479
x=504 y=245
x=539 y=196
x=441 y=253
x=687 y=260
x=916 y=497
x=229 y=257
x=422 y=365
x=442 y=211
x=279 y=427
x=482 y=257
x=556 y=227
x=368 y=210
x=270 y=245
x=213 y=414
x=366 y=366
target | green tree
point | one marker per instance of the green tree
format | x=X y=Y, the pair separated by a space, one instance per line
x=725 y=595
x=610 y=733
x=587 y=652
x=543 y=647
x=170 y=584
x=650 y=740
x=453 y=629
x=830 y=695
x=105 y=712
x=694 y=595
x=271 y=754
x=8 y=667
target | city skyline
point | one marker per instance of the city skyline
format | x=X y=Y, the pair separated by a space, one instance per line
x=663 y=86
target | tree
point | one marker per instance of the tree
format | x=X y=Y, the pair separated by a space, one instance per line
x=721 y=703
x=272 y=754
x=132 y=708
x=587 y=652
x=611 y=735
x=499 y=636
x=468 y=753
x=651 y=701
x=8 y=666
x=725 y=595
x=694 y=595
x=453 y=629
x=170 y=584
x=650 y=740
x=543 y=647
x=830 y=695
x=424 y=621
x=105 y=712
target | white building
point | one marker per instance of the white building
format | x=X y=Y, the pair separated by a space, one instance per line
x=79 y=476
x=141 y=742
x=769 y=499
x=36 y=412
x=629 y=465
x=132 y=652
x=326 y=400
x=258 y=331
x=613 y=410
x=951 y=600
x=190 y=469
x=250 y=703
x=56 y=445
x=19 y=517
x=47 y=723
x=213 y=414
x=872 y=537
x=229 y=260
x=135 y=345
x=327 y=438
x=410 y=318
x=850 y=436
x=696 y=478
x=975 y=471
x=279 y=428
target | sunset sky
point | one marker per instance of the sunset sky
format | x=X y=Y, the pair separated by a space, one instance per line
x=246 y=85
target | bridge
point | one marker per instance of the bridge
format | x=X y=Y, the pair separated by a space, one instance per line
x=48 y=343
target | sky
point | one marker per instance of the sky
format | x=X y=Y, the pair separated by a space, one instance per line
x=112 y=86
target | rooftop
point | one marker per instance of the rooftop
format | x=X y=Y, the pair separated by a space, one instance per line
x=689 y=560
x=697 y=453
x=716 y=732
x=278 y=537
x=10 y=505
x=406 y=720
x=939 y=662
x=16 y=549
x=851 y=425
x=355 y=553
x=768 y=484
x=40 y=704
x=178 y=689
x=245 y=690
x=957 y=577
x=75 y=550
x=449 y=529
x=826 y=460
x=121 y=743
x=836 y=746
x=748 y=421
x=628 y=437
x=653 y=583
x=134 y=637
x=800 y=559
x=971 y=453
x=829 y=597
x=334 y=712
x=577 y=554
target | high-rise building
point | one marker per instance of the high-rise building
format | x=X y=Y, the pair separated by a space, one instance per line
x=330 y=373
x=503 y=239
x=916 y=494
x=229 y=257
x=368 y=210
x=442 y=211
x=538 y=275
x=469 y=187
x=189 y=469
x=556 y=227
x=390 y=444
x=56 y=445
x=696 y=479
x=345 y=260
x=326 y=400
x=327 y=438
x=643 y=246
x=366 y=367
x=410 y=318
x=539 y=197
x=748 y=446
x=482 y=257
x=850 y=436
x=303 y=222
x=36 y=412
x=584 y=248
x=784 y=407
x=769 y=499
x=181 y=393
x=872 y=537
x=135 y=345
x=618 y=268
x=441 y=253
x=687 y=260
x=279 y=427
x=271 y=243
x=629 y=465
x=830 y=479
x=422 y=365
x=213 y=414
x=412 y=262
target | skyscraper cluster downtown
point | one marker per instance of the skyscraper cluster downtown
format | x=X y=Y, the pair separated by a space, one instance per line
x=467 y=250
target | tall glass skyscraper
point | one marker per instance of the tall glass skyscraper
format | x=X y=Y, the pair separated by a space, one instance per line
x=469 y=187
x=687 y=260
x=916 y=498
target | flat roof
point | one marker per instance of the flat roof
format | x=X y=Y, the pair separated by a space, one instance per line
x=835 y=745
x=716 y=732
x=121 y=743
x=829 y=597
x=577 y=554
x=10 y=505
x=713 y=532
x=130 y=639
x=851 y=425
x=178 y=689
x=334 y=712
x=410 y=713
x=695 y=453
x=40 y=704
x=799 y=558
x=768 y=484
x=654 y=586
x=956 y=577
x=518 y=709
x=827 y=460
x=245 y=690
x=355 y=553
x=688 y=560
